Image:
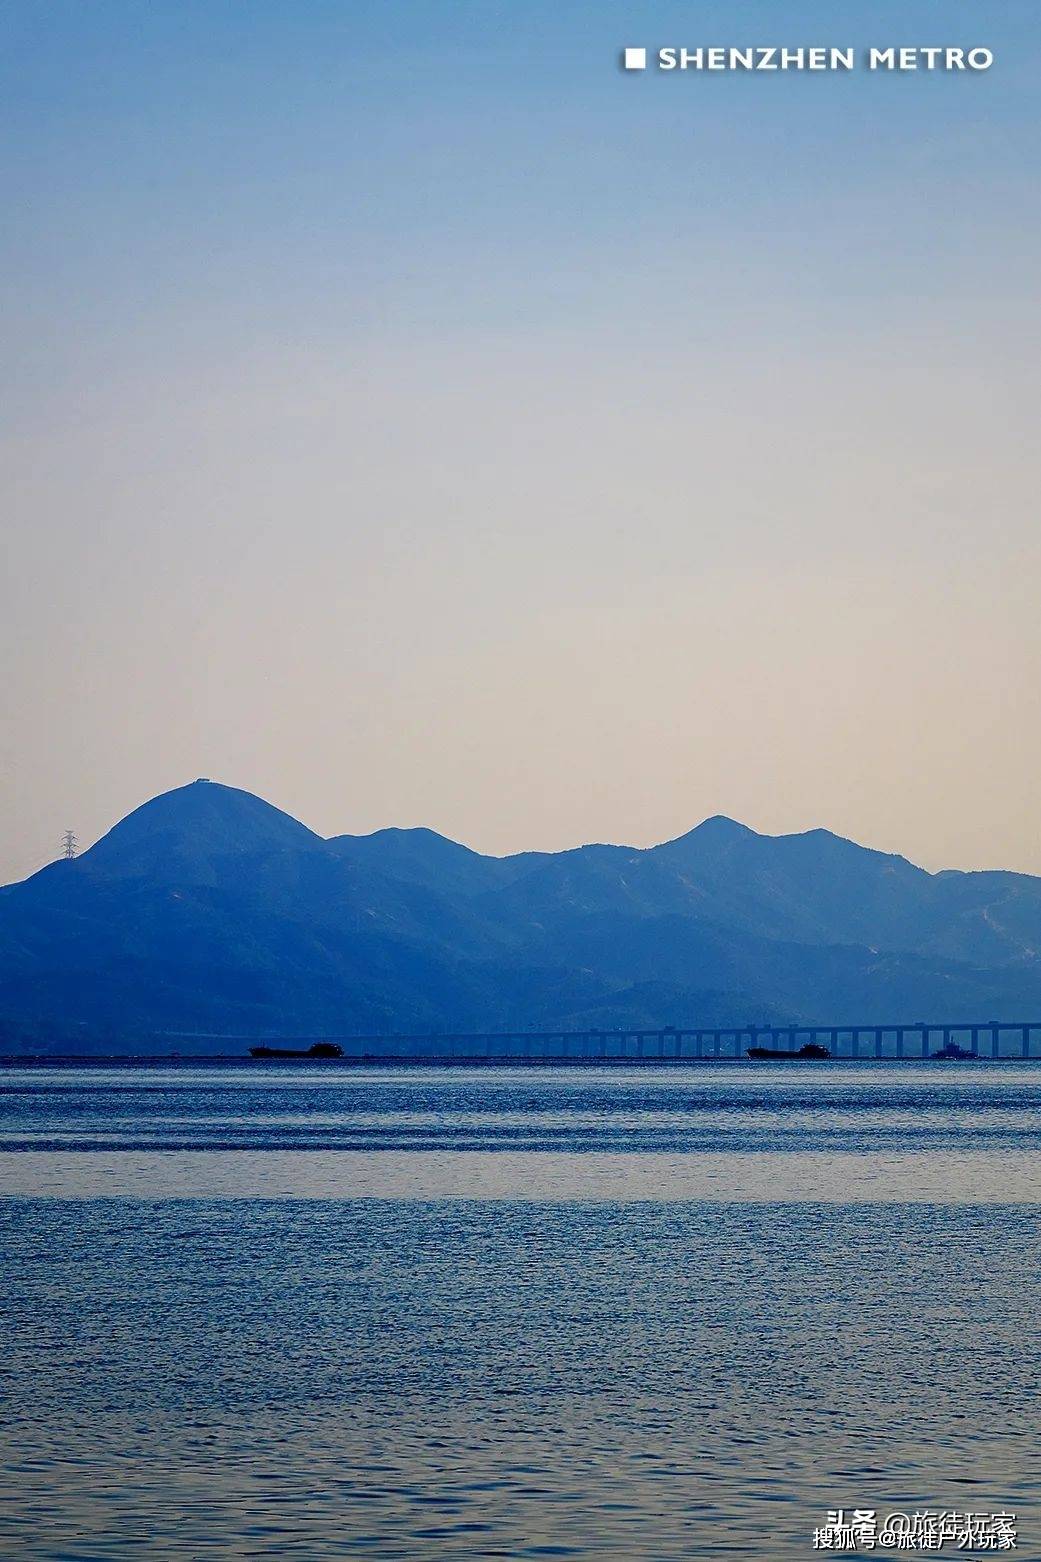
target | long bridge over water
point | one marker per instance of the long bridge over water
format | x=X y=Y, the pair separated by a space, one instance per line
x=919 y=1039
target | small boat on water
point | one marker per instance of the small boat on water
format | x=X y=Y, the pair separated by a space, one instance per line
x=811 y=1050
x=321 y=1049
x=952 y=1050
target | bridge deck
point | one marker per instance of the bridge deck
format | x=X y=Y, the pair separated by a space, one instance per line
x=984 y=1038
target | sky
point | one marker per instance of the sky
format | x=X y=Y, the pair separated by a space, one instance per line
x=411 y=417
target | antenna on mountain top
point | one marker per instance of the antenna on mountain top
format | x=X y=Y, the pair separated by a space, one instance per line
x=69 y=844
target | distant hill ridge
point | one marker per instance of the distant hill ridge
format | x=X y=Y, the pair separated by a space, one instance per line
x=207 y=910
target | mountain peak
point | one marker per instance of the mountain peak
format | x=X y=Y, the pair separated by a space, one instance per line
x=182 y=831
x=717 y=830
x=720 y=824
x=418 y=856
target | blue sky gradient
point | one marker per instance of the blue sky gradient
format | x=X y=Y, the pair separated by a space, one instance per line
x=413 y=417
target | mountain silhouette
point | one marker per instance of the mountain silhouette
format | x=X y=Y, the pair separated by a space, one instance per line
x=192 y=833
x=208 y=913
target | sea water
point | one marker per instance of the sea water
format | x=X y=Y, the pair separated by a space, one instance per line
x=643 y=1312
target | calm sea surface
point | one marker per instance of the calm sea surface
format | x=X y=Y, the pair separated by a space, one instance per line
x=647 y=1313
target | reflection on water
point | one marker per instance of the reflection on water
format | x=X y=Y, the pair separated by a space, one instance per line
x=754 y=1107
x=926 y=1177
x=647 y=1315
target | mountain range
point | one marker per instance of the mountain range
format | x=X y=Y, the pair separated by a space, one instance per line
x=208 y=913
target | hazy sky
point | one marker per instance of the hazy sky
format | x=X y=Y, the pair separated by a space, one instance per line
x=412 y=418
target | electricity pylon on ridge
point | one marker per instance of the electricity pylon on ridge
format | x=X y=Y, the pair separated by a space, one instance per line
x=69 y=844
